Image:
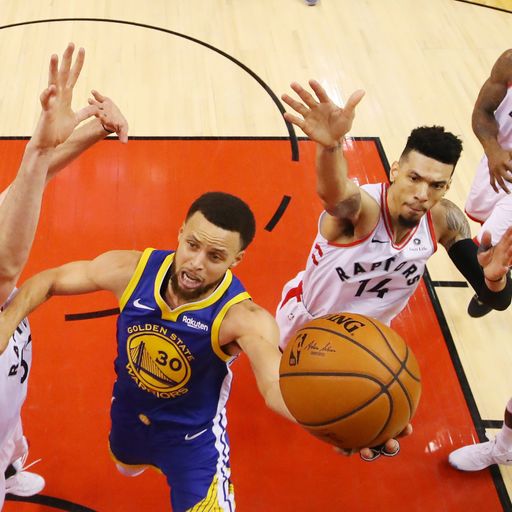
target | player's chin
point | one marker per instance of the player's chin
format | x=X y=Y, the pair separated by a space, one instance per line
x=409 y=220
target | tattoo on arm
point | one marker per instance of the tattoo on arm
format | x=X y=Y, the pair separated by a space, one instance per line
x=348 y=208
x=456 y=222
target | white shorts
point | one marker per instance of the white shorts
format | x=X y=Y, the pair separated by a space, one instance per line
x=291 y=314
x=492 y=210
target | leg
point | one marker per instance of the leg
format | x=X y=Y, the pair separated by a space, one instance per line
x=479 y=456
x=198 y=470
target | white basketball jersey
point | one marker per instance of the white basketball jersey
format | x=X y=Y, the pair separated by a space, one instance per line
x=371 y=276
x=503 y=116
x=14 y=370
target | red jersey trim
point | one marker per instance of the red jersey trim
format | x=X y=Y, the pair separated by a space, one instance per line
x=431 y=230
x=473 y=218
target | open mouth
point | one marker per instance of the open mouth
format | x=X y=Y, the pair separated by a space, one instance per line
x=189 y=281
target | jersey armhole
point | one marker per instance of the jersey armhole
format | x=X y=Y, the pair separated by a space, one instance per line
x=134 y=280
x=218 y=321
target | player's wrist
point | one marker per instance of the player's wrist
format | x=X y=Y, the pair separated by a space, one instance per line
x=333 y=148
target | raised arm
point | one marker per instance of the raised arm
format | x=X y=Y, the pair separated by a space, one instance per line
x=484 y=122
x=19 y=212
x=327 y=124
x=485 y=267
x=110 y=271
x=257 y=334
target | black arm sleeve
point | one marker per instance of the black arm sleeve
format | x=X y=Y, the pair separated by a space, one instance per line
x=463 y=254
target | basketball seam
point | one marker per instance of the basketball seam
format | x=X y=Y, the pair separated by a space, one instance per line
x=383 y=390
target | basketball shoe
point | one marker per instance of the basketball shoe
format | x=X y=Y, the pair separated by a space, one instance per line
x=311 y=2
x=23 y=482
x=475 y=457
x=476 y=309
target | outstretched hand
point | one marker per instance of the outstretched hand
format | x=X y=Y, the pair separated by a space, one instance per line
x=322 y=120
x=57 y=120
x=109 y=115
x=495 y=260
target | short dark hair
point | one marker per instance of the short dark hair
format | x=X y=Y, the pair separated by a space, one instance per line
x=227 y=212
x=434 y=142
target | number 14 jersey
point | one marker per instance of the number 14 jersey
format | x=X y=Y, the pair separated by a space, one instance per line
x=372 y=276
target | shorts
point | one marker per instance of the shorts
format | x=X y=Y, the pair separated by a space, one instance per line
x=196 y=464
x=492 y=210
x=291 y=313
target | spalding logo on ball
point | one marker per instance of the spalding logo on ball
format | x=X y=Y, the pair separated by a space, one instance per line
x=350 y=380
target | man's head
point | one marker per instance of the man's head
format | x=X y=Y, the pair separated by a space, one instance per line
x=423 y=174
x=217 y=230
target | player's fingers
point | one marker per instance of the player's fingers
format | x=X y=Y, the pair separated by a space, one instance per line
x=46 y=95
x=297 y=121
x=77 y=68
x=122 y=132
x=85 y=113
x=66 y=64
x=407 y=431
x=304 y=95
x=319 y=91
x=98 y=96
x=354 y=99
x=53 y=69
x=502 y=184
x=296 y=105
x=370 y=454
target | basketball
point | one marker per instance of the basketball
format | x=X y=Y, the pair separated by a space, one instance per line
x=350 y=380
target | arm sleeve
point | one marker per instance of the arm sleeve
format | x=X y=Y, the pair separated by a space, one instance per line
x=464 y=255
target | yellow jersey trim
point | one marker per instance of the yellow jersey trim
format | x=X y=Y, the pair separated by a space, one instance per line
x=211 y=500
x=134 y=280
x=218 y=320
x=172 y=314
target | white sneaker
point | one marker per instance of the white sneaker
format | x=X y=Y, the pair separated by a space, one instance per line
x=24 y=483
x=475 y=457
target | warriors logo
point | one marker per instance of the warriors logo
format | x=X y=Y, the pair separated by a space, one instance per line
x=157 y=362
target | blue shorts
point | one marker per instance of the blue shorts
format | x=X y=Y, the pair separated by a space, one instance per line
x=196 y=463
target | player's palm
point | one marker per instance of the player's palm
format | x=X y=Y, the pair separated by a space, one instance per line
x=327 y=123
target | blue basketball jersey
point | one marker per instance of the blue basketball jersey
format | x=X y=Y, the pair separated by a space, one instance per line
x=170 y=366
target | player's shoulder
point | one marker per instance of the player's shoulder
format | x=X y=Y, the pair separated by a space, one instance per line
x=449 y=221
x=245 y=318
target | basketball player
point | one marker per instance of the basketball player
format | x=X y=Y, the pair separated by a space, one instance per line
x=184 y=319
x=492 y=124
x=373 y=241
x=54 y=144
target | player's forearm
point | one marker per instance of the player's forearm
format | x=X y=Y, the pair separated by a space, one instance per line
x=332 y=175
x=19 y=211
x=79 y=141
x=486 y=129
x=34 y=292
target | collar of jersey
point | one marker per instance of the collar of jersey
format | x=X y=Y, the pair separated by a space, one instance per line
x=172 y=314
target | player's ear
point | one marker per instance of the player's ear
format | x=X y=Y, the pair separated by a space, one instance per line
x=448 y=185
x=238 y=259
x=393 y=172
x=180 y=232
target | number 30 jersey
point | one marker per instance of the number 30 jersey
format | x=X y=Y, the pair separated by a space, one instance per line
x=170 y=367
x=371 y=276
